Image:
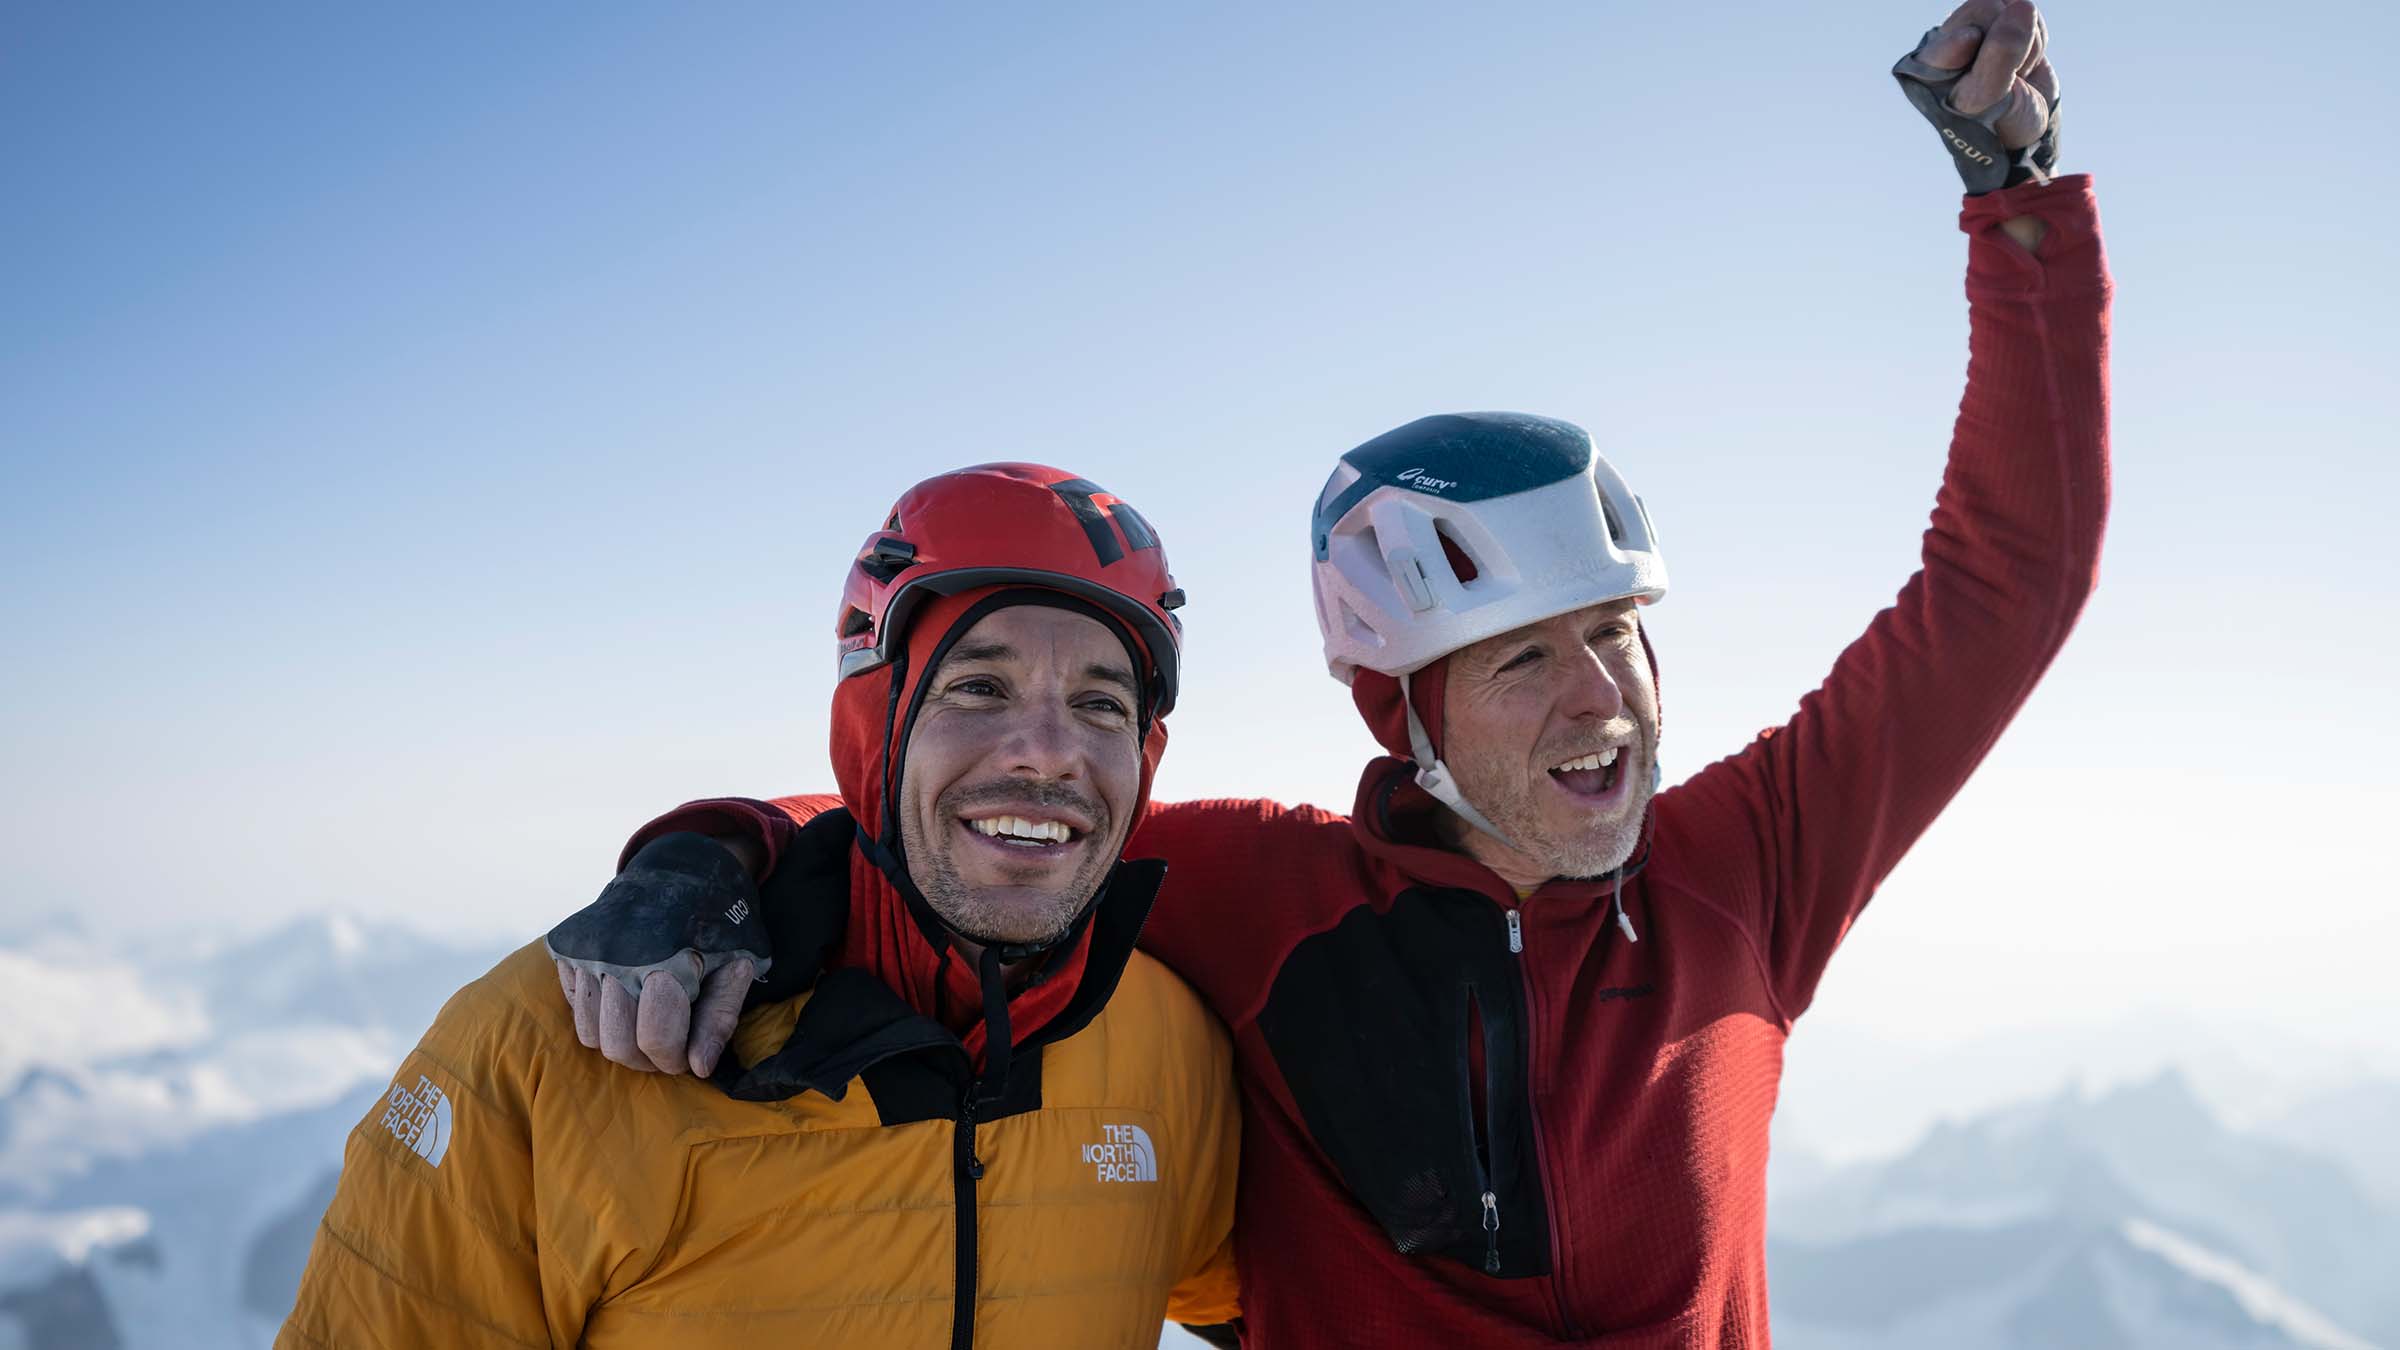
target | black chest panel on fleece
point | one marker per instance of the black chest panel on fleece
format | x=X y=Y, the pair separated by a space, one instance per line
x=1369 y=1024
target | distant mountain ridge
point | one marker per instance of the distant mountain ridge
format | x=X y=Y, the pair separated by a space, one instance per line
x=2133 y=1218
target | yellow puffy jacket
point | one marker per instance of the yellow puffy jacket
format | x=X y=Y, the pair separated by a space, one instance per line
x=516 y=1189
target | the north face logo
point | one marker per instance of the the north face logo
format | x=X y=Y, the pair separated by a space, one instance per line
x=1123 y=1154
x=419 y=1119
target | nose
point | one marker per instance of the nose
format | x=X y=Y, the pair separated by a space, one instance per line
x=1592 y=691
x=1039 y=742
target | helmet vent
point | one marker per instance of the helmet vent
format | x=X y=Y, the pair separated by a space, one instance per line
x=1462 y=565
x=855 y=622
x=888 y=559
x=1359 y=629
x=1616 y=527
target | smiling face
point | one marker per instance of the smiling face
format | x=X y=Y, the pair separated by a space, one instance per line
x=1021 y=774
x=1551 y=730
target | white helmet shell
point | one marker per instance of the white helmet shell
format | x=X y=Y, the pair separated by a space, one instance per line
x=1463 y=526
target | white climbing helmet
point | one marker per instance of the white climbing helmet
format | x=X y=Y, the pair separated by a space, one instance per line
x=1463 y=526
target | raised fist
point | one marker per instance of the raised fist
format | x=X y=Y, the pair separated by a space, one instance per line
x=1983 y=78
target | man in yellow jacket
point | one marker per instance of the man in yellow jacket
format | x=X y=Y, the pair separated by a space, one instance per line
x=962 y=1109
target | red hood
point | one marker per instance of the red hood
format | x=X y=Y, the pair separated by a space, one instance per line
x=882 y=937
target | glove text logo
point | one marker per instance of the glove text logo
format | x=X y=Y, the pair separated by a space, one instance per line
x=1123 y=1154
x=1959 y=143
x=419 y=1118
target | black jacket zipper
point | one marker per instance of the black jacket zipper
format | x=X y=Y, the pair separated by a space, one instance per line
x=1480 y=1126
x=965 y=1170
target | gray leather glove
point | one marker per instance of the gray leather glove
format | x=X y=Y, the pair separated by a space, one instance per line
x=1983 y=161
x=683 y=905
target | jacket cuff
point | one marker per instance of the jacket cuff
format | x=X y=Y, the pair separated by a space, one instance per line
x=2069 y=260
x=736 y=817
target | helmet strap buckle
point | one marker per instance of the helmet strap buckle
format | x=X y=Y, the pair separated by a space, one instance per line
x=1434 y=776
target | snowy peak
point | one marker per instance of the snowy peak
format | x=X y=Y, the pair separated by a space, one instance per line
x=170 y=1117
x=339 y=969
x=2135 y=1180
x=2034 y=1285
x=2261 y=1306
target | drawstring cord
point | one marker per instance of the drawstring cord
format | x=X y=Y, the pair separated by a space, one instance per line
x=1639 y=860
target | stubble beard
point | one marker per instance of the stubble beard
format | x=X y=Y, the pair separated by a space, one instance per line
x=1507 y=801
x=973 y=911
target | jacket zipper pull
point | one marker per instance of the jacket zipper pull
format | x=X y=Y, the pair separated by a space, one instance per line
x=1516 y=931
x=1491 y=1233
x=966 y=1125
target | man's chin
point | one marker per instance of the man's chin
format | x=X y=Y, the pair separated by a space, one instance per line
x=1591 y=852
x=1012 y=916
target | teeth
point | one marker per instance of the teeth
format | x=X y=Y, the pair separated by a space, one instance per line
x=1017 y=827
x=1599 y=761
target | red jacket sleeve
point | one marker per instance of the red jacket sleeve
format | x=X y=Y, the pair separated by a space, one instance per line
x=1795 y=833
x=1213 y=851
x=1212 y=923
x=769 y=824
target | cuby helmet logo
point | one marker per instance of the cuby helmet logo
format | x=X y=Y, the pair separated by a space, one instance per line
x=1012 y=524
x=1424 y=481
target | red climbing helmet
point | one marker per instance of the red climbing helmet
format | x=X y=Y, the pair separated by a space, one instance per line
x=1012 y=524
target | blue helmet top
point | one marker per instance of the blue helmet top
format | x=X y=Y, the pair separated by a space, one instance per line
x=1460 y=457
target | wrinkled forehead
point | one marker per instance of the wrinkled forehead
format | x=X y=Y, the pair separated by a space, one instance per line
x=1038 y=642
x=1572 y=625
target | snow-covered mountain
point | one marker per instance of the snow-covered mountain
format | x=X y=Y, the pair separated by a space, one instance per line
x=2357 y=1124
x=2132 y=1218
x=172 y=1118
x=2031 y=1285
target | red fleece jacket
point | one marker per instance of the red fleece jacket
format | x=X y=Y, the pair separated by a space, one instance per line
x=1650 y=1069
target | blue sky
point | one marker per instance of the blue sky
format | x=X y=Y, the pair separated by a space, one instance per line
x=430 y=437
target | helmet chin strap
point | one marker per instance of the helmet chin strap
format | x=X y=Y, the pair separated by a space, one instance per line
x=1434 y=776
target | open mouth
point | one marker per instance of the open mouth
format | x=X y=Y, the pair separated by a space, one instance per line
x=1024 y=834
x=1592 y=777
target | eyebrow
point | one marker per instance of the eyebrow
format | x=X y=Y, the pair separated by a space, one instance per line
x=1118 y=676
x=980 y=651
x=972 y=653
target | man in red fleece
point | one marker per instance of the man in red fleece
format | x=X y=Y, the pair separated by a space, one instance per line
x=1509 y=1034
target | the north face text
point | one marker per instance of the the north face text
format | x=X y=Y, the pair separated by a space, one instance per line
x=419 y=1119
x=1123 y=1154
